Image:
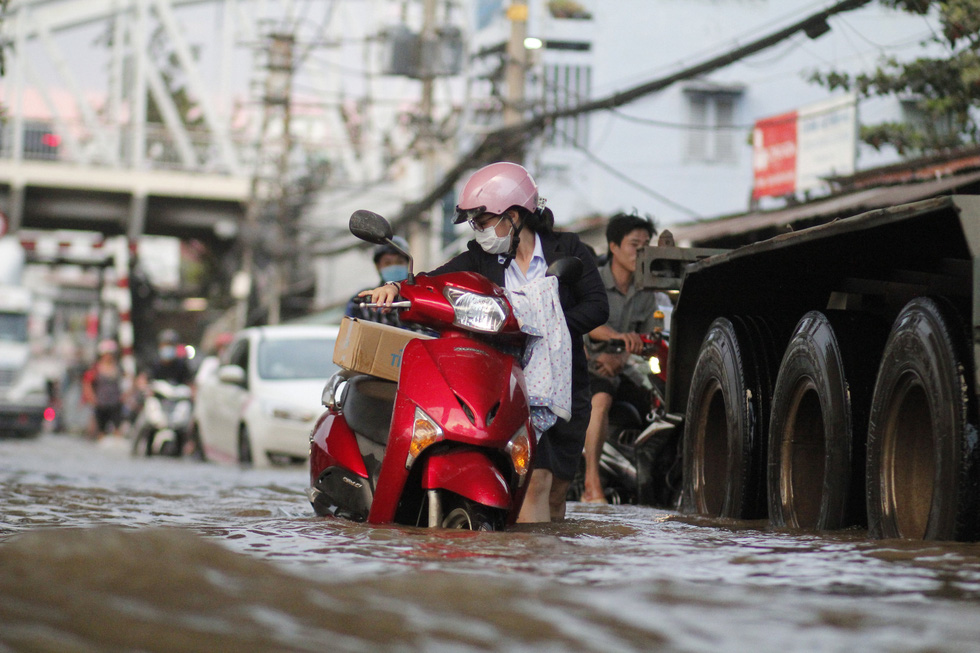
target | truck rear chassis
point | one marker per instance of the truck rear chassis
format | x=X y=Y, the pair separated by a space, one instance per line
x=827 y=378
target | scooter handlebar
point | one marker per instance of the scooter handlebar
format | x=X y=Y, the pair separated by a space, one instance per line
x=401 y=304
x=618 y=345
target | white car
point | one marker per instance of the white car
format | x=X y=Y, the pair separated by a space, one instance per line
x=258 y=407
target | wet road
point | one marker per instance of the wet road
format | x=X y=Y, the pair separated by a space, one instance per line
x=102 y=552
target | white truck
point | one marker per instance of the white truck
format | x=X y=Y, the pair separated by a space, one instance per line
x=24 y=388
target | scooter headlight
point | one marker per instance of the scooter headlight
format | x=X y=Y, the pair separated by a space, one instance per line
x=519 y=449
x=425 y=432
x=655 y=365
x=477 y=312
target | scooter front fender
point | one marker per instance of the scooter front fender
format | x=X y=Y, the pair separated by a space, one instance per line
x=468 y=473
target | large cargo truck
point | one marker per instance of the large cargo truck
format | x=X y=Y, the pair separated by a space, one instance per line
x=827 y=378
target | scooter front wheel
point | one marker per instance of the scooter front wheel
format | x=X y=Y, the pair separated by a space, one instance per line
x=464 y=514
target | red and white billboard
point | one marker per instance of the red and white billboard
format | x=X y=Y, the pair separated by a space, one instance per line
x=791 y=152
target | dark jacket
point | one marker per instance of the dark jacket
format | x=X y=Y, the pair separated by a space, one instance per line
x=175 y=371
x=584 y=302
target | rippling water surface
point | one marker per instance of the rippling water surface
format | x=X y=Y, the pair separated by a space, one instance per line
x=102 y=552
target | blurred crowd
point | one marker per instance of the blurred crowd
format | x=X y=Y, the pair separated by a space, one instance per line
x=109 y=400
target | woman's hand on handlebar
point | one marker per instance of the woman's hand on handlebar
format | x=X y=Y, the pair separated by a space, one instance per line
x=382 y=296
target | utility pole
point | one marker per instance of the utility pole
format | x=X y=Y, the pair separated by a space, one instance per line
x=270 y=181
x=516 y=69
x=279 y=93
x=436 y=50
x=423 y=230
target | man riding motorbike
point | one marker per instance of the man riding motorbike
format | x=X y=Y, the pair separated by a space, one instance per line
x=391 y=265
x=170 y=368
x=631 y=313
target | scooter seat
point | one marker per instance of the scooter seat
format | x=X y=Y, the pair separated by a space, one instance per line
x=368 y=405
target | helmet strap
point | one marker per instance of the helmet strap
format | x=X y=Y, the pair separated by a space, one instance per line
x=515 y=241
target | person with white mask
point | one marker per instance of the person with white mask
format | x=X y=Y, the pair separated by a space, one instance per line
x=514 y=243
x=392 y=265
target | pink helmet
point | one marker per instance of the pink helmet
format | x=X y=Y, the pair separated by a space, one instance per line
x=494 y=189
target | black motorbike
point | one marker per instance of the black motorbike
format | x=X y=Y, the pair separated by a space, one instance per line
x=640 y=461
x=164 y=425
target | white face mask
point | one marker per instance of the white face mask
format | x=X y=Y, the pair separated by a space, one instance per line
x=491 y=243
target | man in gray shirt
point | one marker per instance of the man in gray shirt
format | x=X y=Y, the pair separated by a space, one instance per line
x=631 y=312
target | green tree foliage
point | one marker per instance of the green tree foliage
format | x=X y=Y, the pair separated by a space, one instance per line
x=943 y=92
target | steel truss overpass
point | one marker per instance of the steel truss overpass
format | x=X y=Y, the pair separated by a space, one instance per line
x=153 y=116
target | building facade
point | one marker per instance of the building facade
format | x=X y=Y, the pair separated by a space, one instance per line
x=682 y=153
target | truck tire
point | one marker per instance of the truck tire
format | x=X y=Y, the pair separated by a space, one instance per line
x=767 y=357
x=922 y=442
x=819 y=421
x=724 y=432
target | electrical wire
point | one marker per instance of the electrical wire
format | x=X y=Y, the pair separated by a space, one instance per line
x=318 y=33
x=881 y=47
x=658 y=123
x=338 y=67
x=733 y=43
x=632 y=182
x=792 y=44
x=653 y=122
x=301 y=16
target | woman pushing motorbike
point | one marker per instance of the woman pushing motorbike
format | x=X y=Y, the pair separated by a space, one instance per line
x=514 y=244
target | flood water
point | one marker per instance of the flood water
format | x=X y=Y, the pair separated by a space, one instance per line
x=103 y=552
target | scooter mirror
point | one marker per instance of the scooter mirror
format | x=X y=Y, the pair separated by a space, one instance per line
x=370 y=226
x=567 y=269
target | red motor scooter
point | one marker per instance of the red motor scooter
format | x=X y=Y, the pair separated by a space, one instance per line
x=450 y=444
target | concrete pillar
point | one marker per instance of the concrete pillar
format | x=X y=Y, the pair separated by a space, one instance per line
x=15 y=208
x=137 y=216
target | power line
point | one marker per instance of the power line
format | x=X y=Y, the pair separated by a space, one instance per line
x=319 y=32
x=502 y=142
x=653 y=122
x=738 y=38
x=632 y=182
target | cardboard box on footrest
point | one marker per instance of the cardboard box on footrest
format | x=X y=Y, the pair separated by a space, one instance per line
x=371 y=348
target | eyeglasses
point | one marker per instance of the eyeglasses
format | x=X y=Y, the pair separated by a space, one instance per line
x=472 y=217
x=476 y=226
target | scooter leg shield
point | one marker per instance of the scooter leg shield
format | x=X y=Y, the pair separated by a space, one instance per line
x=338 y=479
x=470 y=474
x=334 y=443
